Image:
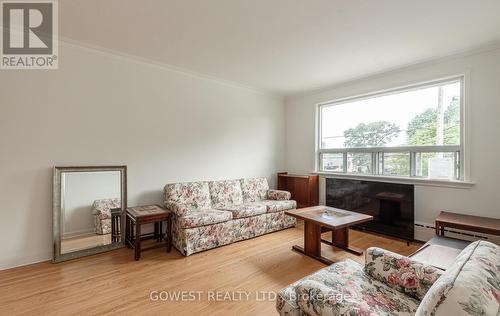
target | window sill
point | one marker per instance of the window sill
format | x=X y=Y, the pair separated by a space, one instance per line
x=403 y=180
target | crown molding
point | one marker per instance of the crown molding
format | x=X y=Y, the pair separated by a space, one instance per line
x=69 y=42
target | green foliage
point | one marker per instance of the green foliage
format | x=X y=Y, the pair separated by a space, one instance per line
x=371 y=135
x=452 y=113
x=421 y=131
x=421 y=121
x=422 y=128
x=397 y=164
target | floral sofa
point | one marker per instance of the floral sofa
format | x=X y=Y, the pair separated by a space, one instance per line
x=391 y=284
x=217 y=213
x=101 y=209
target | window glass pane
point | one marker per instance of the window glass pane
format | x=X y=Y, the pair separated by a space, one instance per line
x=435 y=165
x=332 y=162
x=396 y=164
x=425 y=116
x=359 y=163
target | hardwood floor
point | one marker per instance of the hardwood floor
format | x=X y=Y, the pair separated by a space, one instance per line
x=113 y=283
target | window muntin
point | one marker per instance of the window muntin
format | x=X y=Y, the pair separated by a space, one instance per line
x=413 y=132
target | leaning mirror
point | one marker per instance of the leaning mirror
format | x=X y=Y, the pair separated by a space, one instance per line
x=88 y=204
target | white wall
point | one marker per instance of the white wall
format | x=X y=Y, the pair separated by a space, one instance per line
x=484 y=130
x=81 y=189
x=100 y=109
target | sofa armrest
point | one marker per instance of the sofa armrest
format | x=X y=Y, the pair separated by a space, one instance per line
x=404 y=274
x=178 y=208
x=278 y=195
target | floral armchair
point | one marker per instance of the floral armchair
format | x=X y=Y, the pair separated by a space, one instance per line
x=101 y=209
x=391 y=284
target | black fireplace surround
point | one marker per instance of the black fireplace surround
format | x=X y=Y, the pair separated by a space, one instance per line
x=390 y=204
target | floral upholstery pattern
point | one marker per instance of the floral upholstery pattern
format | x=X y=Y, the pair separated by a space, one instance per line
x=102 y=226
x=196 y=239
x=471 y=286
x=402 y=273
x=246 y=209
x=279 y=205
x=204 y=217
x=343 y=289
x=224 y=193
x=278 y=195
x=250 y=227
x=253 y=226
x=391 y=284
x=195 y=195
x=178 y=208
x=254 y=189
x=217 y=213
x=102 y=214
x=279 y=220
x=192 y=240
x=102 y=208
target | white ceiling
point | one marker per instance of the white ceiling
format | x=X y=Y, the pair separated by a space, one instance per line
x=283 y=46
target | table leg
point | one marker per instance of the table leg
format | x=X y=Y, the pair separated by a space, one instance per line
x=169 y=234
x=118 y=236
x=340 y=239
x=160 y=236
x=128 y=240
x=156 y=231
x=112 y=228
x=312 y=243
x=137 y=246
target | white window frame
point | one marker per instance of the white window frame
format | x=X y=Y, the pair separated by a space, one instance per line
x=461 y=158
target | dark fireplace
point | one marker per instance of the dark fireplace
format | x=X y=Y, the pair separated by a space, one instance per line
x=390 y=204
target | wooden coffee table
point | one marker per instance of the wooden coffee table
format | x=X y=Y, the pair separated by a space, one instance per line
x=318 y=219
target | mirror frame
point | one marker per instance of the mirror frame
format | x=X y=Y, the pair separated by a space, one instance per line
x=57 y=212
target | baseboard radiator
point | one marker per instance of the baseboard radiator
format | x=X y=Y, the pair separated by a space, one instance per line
x=425 y=231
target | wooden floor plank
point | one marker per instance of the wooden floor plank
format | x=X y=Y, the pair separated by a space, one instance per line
x=113 y=283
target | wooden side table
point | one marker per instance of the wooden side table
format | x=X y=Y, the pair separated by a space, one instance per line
x=147 y=214
x=472 y=223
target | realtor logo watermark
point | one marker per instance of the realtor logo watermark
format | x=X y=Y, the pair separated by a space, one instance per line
x=29 y=35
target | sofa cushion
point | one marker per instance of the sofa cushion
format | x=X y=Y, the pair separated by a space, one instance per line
x=471 y=286
x=399 y=272
x=195 y=195
x=245 y=210
x=254 y=189
x=224 y=193
x=203 y=217
x=279 y=205
x=344 y=289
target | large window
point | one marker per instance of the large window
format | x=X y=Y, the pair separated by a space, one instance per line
x=411 y=132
